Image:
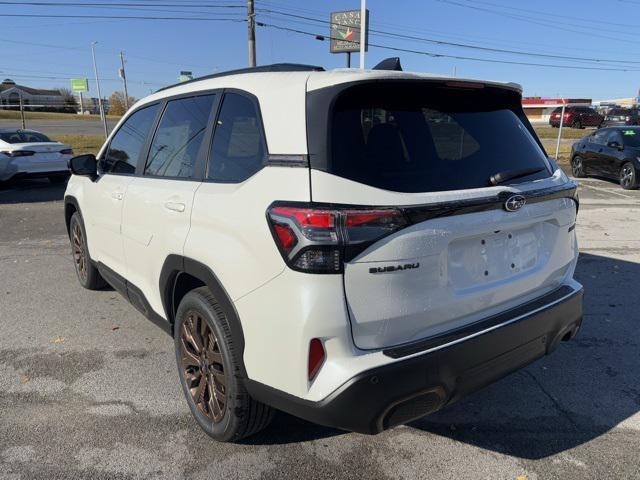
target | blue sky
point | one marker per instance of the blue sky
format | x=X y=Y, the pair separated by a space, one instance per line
x=156 y=50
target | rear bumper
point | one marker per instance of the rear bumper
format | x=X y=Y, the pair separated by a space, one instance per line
x=17 y=168
x=407 y=389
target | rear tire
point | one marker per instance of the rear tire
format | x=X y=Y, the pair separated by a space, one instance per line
x=209 y=369
x=88 y=274
x=628 y=177
x=576 y=124
x=577 y=167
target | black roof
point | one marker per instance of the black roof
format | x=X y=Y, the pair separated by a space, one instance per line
x=275 y=67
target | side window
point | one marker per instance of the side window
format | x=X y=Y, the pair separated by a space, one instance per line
x=238 y=149
x=178 y=138
x=126 y=145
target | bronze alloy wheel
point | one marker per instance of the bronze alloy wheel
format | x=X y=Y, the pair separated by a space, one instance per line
x=203 y=367
x=79 y=251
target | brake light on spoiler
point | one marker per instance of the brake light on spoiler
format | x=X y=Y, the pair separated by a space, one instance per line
x=320 y=240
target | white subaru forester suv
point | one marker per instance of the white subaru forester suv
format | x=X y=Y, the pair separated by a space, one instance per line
x=357 y=248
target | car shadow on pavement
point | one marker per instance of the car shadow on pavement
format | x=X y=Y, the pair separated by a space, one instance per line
x=285 y=429
x=584 y=389
x=31 y=191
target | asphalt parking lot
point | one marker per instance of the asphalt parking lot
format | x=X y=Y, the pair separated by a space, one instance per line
x=89 y=388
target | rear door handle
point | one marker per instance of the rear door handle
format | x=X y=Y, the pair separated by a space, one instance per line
x=175 y=206
x=117 y=195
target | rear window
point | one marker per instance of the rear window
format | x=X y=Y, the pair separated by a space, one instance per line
x=424 y=138
x=23 y=137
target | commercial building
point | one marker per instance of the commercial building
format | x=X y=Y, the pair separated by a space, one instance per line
x=10 y=93
x=538 y=109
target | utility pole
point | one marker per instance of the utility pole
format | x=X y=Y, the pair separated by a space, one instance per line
x=251 y=26
x=95 y=70
x=363 y=30
x=21 y=111
x=124 y=79
x=564 y=104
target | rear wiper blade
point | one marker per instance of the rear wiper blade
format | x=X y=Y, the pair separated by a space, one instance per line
x=502 y=177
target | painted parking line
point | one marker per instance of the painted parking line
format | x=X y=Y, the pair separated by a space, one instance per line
x=608 y=191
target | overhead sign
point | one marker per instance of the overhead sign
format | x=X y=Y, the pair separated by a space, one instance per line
x=79 y=84
x=345 y=31
x=185 y=76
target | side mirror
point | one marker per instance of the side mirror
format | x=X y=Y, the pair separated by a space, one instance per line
x=84 y=165
x=615 y=145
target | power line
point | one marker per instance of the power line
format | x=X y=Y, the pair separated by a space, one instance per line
x=462 y=45
x=102 y=4
x=442 y=55
x=552 y=25
x=555 y=16
x=78 y=49
x=123 y=17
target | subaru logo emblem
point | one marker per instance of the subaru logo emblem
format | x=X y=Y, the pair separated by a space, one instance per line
x=514 y=203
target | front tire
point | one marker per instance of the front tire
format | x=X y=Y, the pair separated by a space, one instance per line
x=209 y=370
x=88 y=274
x=628 y=177
x=577 y=167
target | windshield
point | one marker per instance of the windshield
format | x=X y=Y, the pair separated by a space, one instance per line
x=21 y=136
x=421 y=138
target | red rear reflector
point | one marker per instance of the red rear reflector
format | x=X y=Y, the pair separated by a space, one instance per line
x=316 y=357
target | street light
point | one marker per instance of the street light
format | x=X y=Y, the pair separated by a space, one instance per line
x=95 y=70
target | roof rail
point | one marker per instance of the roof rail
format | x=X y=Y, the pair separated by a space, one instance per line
x=275 y=67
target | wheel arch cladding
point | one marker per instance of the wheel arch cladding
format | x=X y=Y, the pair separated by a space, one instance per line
x=70 y=207
x=180 y=275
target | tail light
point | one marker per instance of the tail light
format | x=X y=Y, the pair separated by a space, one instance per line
x=316 y=357
x=566 y=115
x=320 y=240
x=19 y=153
x=66 y=151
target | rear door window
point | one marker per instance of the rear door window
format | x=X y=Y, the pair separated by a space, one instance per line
x=424 y=139
x=177 y=140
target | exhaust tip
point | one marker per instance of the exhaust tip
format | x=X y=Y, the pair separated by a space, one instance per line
x=413 y=407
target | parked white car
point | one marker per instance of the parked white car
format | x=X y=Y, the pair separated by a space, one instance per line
x=27 y=153
x=357 y=248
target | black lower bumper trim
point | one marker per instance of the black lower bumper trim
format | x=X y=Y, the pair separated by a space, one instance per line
x=408 y=389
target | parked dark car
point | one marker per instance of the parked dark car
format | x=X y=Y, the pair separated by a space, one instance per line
x=609 y=152
x=576 y=117
x=621 y=117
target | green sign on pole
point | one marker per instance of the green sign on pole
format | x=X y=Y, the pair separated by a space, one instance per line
x=79 y=84
x=185 y=76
